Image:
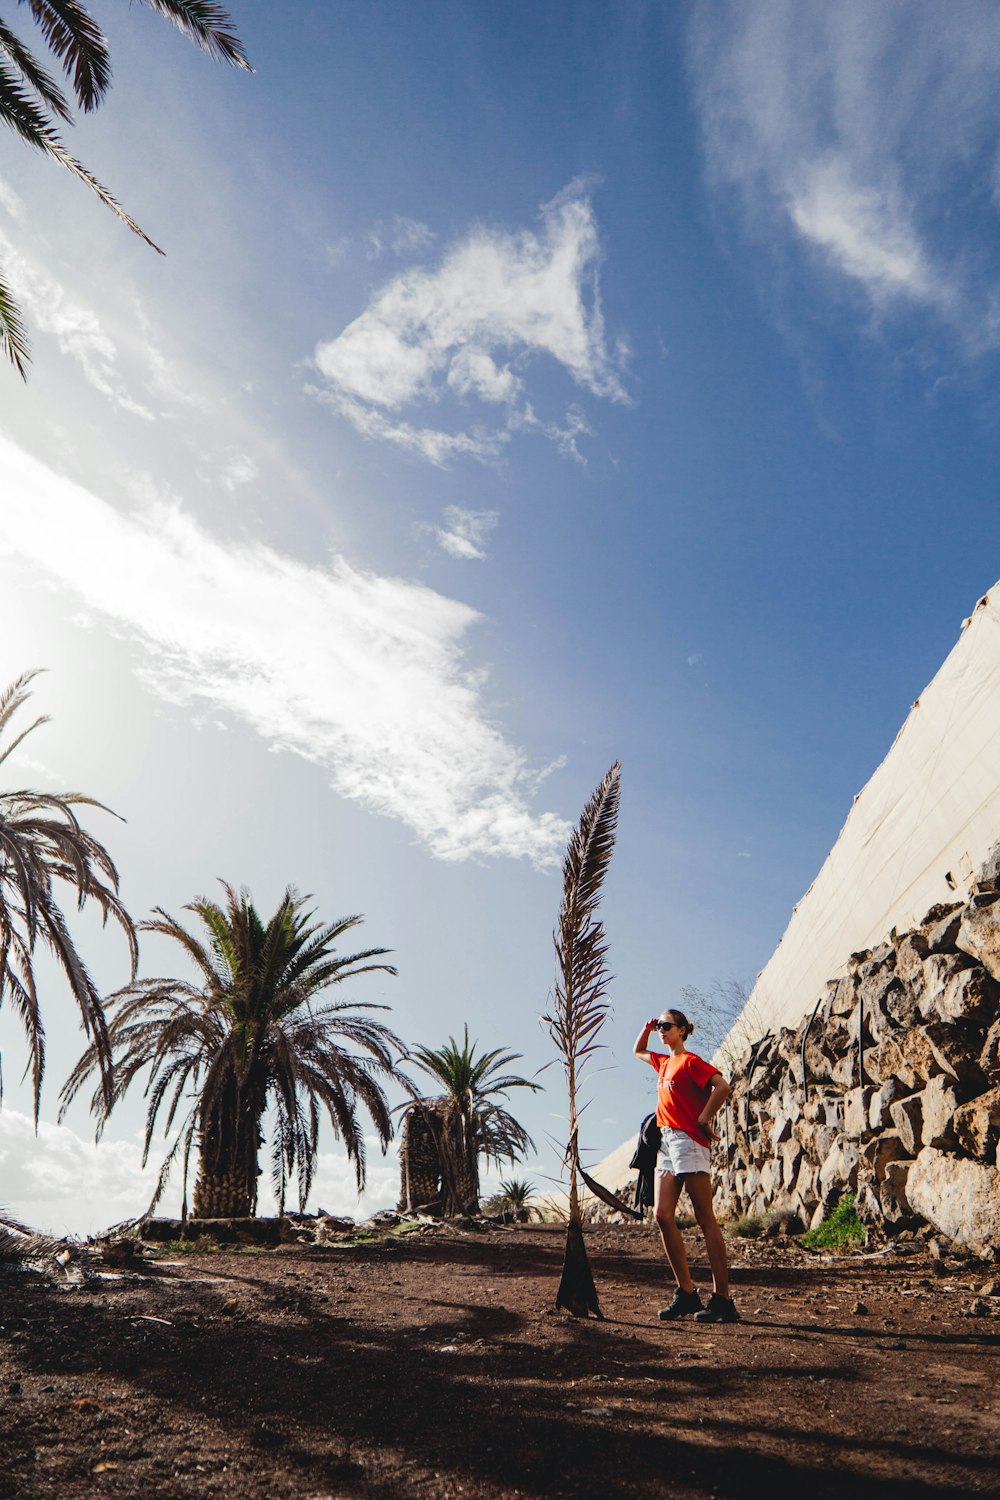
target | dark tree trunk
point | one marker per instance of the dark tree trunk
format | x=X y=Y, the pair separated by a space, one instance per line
x=228 y=1169
x=419 y=1163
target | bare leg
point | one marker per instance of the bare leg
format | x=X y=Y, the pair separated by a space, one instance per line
x=699 y=1190
x=668 y=1190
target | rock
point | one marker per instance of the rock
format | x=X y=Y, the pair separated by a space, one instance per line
x=911 y=950
x=860 y=1310
x=939 y=1102
x=856 y=1103
x=780 y=1131
x=844 y=997
x=943 y=935
x=892 y=1192
x=839 y=1170
x=977 y=1126
x=960 y=1198
x=908 y=1119
x=885 y=1148
x=977 y=1308
x=881 y=1100
x=939 y=911
x=979 y=935
x=989 y=1058
x=955 y=1047
x=889 y=1061
x=990 y=1289
x=900 y=1005
x=791 y=1157
x=955 y=990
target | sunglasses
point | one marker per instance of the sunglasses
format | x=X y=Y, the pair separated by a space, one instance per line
x=668 y=1026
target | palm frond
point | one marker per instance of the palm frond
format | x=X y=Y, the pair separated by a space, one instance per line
x=208 y=25
x=13 y=338
x=74 y=37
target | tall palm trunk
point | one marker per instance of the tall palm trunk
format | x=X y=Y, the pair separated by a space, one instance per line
x=228 y=1167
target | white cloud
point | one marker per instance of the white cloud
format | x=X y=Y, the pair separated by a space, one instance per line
x=76 y=329
x=10 y=201
x=496 y=299
x=361 y=674
x=240 y=470
x=465 y=531
x=401 y=236
x=59 y=1182
x=864 y=131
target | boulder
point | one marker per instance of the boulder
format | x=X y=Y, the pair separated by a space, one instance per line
x=911 y=950
x=943 y=935
x=780 y=1130
x=791 y=1158
x=880 y=1101
x=839 y=1170
x=979 y=936
x=955 y=1045
x=892 y=1191
x=889 y=1061
x=939 y=911
x=977 y=1126
x=856 y=1102
x=939 y=1102
x=900 y=1006
x=989 y=1058
x=959 y=1197
x=885 y=1148
x=844 y=997
x=955 y=990
x=908 y=1120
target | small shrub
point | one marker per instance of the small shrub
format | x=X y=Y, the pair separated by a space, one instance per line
x=203 y=1244
x=840 y=1230
x=748 y=1226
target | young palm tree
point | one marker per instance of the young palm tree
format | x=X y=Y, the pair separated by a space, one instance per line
x=31 y=101
x=248 y=1033
x=467 y=1122
x=581 y=1005
x=43 y=846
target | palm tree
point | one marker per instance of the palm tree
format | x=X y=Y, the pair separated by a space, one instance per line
x=31 y=101
x=247 y=1034
x=467 y=1122
x=43 y=844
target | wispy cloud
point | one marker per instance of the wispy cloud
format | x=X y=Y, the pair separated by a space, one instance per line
x=401 y=236
x=868 y=134
x=469 y=333
x=76 y=329
x=465 y=531
x=362 y=674
x=240 y=470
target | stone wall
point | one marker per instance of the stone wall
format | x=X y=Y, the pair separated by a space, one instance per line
x=890 y=1088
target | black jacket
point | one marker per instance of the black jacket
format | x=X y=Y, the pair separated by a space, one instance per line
x=646 y=1151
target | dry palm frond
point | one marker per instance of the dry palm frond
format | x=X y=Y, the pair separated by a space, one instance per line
x=581 y=1002
x=18 y=1242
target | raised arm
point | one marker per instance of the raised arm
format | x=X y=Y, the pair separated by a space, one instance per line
x=641 y=1042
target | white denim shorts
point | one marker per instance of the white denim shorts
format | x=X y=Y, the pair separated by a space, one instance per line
x=680 y=1154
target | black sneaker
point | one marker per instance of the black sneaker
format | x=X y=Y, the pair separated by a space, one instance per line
x=719 y=1310
x=683 y=1303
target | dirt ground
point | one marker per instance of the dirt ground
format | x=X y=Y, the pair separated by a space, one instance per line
x=433 y=1365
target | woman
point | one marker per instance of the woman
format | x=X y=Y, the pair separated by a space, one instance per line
x=690 y=1094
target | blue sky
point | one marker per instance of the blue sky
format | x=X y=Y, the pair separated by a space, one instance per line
x=523 y=388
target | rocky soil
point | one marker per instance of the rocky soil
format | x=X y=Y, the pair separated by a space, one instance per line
x=431 y=1364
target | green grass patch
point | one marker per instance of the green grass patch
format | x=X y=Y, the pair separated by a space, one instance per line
x=840 y=1230
x=202 y=1244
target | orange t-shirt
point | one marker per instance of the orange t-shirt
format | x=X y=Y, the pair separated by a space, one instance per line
x=682 y=1091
